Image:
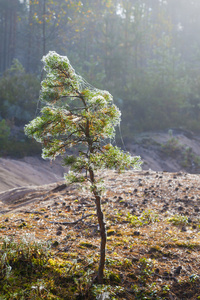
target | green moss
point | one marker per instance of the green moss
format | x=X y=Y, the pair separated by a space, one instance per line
x=178 y=220
x=87 y=245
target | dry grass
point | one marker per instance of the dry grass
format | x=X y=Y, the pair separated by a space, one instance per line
x=153 y=227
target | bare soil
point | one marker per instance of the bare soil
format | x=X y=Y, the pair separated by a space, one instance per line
x=153 y=218
x=172 y=151
x=29 y=171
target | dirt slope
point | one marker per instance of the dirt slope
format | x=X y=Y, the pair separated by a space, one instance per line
x=28 y=171
x=153 y=231
x=172 y=151
x=152 y=217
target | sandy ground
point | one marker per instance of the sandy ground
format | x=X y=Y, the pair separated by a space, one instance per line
x=153 y=223
x=29 y=171
x=150 y=147
x=34 y=171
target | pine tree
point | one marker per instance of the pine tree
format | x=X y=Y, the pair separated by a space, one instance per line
x=80 y=116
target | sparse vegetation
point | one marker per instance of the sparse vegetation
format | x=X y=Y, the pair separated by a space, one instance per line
x=147 y=217
x=156 y=259
x=181 y=153
x=178 y=220
x=172 y=147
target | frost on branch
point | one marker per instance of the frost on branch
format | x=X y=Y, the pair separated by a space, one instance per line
x=79 y=116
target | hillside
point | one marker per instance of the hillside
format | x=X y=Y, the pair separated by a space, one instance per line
x=153 y=239
x=29 y=171
x=172 y=151
x=50 y=238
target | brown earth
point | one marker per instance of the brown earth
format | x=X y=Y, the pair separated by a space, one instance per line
x=29 y=171
x=152 y=217
x=149 y=214
x=173 y=151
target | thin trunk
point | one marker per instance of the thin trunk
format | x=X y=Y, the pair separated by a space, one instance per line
x=44 y=28
x=1 y=38
x=10 y=37
x=100 y=215
x=43 y=35
x=5 y=39
x=102 y=226
x=103 y=238
x=14 y=30
x=8 y=21
x=126 y=43
x=30 y=34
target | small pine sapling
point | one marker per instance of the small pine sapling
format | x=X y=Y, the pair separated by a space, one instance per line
x=77 y=115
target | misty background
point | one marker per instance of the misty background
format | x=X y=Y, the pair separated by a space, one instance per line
x=146 y=53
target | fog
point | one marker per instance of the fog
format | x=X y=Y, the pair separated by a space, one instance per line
x=146 y=53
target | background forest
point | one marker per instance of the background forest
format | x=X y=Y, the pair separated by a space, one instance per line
x=145 y=52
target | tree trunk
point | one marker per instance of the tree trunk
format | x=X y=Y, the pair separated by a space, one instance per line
x=102 y=226
x=5 y=40
x=44 y=29
x=30 y=37
x=8 y=23
x=103 y=239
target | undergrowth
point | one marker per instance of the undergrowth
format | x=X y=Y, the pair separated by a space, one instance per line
x=152 y=245
x=32 y=270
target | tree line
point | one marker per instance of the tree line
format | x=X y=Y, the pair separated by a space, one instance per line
x=146 y=53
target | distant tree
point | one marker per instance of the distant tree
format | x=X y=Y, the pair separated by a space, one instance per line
x=18 y=94
x=47 y=24
x=8 y=23
x=77 y=115
x=4 y=135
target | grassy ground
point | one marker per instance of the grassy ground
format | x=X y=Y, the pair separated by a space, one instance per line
x=153 y=247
